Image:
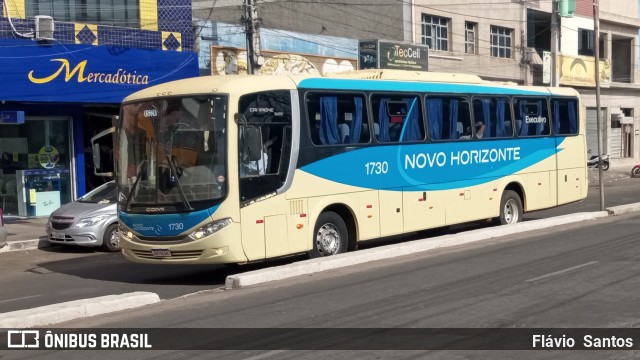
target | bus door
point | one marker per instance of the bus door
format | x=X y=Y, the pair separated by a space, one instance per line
x=264 y=152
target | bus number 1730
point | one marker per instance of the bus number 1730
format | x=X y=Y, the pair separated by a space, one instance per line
x=377 y=167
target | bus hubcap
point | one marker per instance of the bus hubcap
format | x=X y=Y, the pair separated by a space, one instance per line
x=328 y=240
x=511 y=211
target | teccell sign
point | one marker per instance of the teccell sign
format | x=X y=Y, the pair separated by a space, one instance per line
x=393 y=55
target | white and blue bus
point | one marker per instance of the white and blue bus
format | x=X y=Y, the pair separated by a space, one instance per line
x=236 y=169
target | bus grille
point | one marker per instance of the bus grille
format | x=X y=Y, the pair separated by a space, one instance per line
x=296 y=207
x=161 y=238
x=175 y=255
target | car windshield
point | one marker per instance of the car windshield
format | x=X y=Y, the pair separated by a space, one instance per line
x=171 y=153
x=103 y=194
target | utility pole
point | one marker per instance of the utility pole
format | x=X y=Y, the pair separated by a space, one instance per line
x=596 y=33
x=251 y=24
x=555 y=35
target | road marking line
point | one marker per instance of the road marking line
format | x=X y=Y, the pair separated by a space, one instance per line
x=20 y=298
x=562 y=271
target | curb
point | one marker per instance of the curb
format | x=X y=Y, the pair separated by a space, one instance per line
x=306 y=267
x=70 y=310
x=22 y=245
x=623 y=209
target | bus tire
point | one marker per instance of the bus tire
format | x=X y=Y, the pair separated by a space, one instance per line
x=511 y=209
x=330 y=236
x=111 y=239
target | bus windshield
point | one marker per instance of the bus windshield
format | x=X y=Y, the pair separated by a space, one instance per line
x=170 y=154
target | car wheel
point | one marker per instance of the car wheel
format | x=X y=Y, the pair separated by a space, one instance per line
x=330 y=236
x=635 y=172
x=111 y=239
x=510 y=208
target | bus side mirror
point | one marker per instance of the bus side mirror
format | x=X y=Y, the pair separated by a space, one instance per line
x=252 y=143
x=95 y=147
x=106 y=137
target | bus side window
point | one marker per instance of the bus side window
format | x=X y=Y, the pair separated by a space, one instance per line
x=533 y=116
x=398 y=118
x=565 y=116
x=448 y=117
x=495 y=114
x=339 y=118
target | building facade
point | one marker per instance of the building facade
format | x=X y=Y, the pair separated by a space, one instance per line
x=66 y=66
x=498 y=40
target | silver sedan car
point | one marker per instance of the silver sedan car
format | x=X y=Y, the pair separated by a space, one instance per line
x=89 y=221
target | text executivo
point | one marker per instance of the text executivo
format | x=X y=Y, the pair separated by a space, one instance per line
x=461 y=157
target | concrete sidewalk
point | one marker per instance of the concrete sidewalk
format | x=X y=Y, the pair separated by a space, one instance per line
x=25 y=233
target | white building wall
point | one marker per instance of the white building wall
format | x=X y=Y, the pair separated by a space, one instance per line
x=569 y=33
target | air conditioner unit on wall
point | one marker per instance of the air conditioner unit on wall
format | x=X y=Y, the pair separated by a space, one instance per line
x=44 y=27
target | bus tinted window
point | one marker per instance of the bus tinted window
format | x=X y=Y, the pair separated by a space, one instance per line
x=397 y=118
x=565 y=116
x=448 y=117
x=532 y=116
x=267 y=114
x=339 y=118
x=492 y=117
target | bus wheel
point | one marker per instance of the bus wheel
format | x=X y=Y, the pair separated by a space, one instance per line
x=510 y=208
x=329 y=236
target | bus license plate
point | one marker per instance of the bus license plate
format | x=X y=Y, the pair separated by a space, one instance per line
x=160 y=252
x=57 y=235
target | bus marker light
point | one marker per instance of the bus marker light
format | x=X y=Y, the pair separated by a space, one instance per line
x=369 y=216
x=303 y=215
x=369 y=206
x=430 y=207
x=299 y=226
x=259 y=221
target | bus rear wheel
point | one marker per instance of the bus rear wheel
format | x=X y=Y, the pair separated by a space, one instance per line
x=330 y=236
x=511 y=209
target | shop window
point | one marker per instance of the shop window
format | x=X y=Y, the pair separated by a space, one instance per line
x=35 y=176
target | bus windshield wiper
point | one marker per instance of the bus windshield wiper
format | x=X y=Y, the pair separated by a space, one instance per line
x=173 y=170
x=141 y=168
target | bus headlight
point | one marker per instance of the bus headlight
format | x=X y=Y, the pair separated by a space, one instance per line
x=210 y=228
x=126 y=234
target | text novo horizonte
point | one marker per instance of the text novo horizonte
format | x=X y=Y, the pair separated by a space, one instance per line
x=464 y=157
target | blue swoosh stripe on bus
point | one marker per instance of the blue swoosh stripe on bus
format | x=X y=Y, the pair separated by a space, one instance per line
x=407 y=86
x=434 y=166
x=158 y=224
